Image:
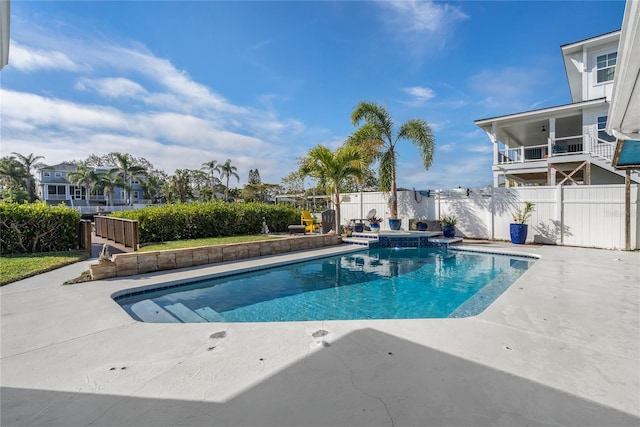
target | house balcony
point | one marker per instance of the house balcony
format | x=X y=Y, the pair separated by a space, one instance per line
x=560 y=149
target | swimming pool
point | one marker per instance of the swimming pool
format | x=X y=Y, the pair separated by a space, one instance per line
x=405 y=283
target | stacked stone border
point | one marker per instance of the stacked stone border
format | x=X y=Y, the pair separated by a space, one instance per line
x=130 y=264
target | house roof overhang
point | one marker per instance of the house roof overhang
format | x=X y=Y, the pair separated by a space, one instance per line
x=542 y=113
x=624 y=114
x=525 y=128
x=575 y=67
x=4 y=32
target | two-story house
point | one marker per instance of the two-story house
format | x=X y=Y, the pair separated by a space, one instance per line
x=53 y=187
x=565 y=144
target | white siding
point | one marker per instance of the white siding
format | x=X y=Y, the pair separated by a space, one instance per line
x=598 y=90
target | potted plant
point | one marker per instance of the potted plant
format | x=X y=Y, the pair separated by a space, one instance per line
x=449 y=225
x=519 y=227
x=374 y=223
x=421 y=226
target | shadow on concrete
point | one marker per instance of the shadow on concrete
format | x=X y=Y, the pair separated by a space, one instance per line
x=366 y=378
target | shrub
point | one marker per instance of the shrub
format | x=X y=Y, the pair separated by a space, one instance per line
x=37 y=227
x=213 y=219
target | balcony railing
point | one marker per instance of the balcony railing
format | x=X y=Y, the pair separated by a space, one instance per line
x=602 y=148
x=560 y=147
x=523 y=154
x=567 y=145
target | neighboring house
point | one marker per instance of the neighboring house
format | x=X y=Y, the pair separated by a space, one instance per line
x=566 y=144
x=53 y=187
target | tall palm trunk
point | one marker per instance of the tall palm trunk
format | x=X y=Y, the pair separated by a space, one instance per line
x=394 y=188
x=338 y=229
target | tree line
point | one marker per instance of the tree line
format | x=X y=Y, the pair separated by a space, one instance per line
x=114 y=170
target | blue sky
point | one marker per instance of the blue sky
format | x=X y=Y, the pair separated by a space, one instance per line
x=182 y=83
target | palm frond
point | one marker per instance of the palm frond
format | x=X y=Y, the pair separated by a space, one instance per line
x=419 y=133
x=372 y=113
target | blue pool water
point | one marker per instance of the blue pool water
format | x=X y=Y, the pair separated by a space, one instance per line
x=405 y=283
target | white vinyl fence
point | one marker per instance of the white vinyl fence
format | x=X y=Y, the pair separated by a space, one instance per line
x=589 y=216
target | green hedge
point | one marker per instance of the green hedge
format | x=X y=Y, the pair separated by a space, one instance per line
x=214 y=219
x=37 y=227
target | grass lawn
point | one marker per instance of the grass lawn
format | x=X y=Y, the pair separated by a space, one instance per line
x=179 y=244
x=20 y=266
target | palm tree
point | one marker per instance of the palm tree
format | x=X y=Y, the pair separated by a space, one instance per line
x=109 y=182
x=127 y=169
x=212 y=166
x=227 y=171
x=12 y=172
x=180 y=184
x=378 y=136
x=12 y=180
x=28 y=162
x=84 y=177
x=331 y=169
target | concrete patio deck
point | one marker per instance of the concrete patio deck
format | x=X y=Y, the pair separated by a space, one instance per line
x=560 y=347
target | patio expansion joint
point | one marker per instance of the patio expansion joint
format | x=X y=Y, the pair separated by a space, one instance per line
x=57 y=343
x=360 y=390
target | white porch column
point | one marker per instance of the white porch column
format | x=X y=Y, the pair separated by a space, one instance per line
x=494 y=139
x=496 y=179
x=552 y=135
x=522 y=154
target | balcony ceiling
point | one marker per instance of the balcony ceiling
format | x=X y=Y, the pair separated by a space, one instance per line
x=531 y=132
x=526 y=128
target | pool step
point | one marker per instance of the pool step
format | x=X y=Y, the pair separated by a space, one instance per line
x=447 y=240
x=149 y=311
x=184 y=313
x=357 y=241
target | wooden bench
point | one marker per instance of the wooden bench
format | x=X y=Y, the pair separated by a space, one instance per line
x=297 y=229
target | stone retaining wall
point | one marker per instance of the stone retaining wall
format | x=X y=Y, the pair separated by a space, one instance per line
x=129 y=264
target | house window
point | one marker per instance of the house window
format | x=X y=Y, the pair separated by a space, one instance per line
x=136 y=195
x=58 y=174
x=135 y=181
x=46 y=174
x=606 y=66
x=602 y=135
x=56 y=190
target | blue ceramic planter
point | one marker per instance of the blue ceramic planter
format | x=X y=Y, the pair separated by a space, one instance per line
x=395 y=224
x=374 y=227
x=519 y=233
x=449 y=231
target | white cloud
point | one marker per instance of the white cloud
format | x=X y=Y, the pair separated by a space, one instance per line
x=63 y=130
x=117 y=87
x=36 y=110
x=485 y=148
x=421 y=23
x=420 y=94
x=424 y=16
x=29 y=59
x=446 y=148
x=175 y=81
